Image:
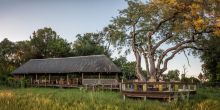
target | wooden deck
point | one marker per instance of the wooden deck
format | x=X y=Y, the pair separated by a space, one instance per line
x=158 y=90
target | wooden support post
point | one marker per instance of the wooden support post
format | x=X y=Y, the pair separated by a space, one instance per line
x=182 y=95
x=194 y=87
x=127 y=86
x=169 y=99
x=49 y=78
x=21 y=83
x=45 y=80
x=187 y=96
x=124 y=97
x=135 y=87
x=123 y=87
x=67 y=79
x=37 y=80
x=36 y=76
x=169 y=87
x=184 y=87
x=31 y=81
x=160 y=86
x=144 y=87
x=99 y=81
x=93 y=87
x=116 y=76
x=175 y=97
x=176 y=87
x=145 y=98
x=82 y=78
x=189 y=87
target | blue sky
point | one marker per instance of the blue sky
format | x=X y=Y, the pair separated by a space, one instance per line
x=19 y=18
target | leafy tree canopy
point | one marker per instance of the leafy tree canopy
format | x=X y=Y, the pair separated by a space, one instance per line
x=172 y=75
x=7 y=48
x=127 y=68
x=46 y=43
x=90 y=44
x=211 y=58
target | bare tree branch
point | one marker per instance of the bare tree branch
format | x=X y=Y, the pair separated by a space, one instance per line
x=186 y=57
x=171 y=49
x=168 y=36
x=174 y=53
x=180 y=44
x=165 y=20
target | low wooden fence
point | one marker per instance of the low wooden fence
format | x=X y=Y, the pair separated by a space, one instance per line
x=111 y=84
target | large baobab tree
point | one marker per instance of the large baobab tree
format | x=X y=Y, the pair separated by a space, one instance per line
x=147 y=28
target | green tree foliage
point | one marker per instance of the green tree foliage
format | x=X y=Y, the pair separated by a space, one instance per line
x=43 y=44
x=23 y=52
x=200 y=76
x=211 y=58
x=7 y=49
x=46 y=43
x=7 y=60
x=172 y=75
x=193 y=80
x=127 y=68
x=90 y=44
x=185 y=79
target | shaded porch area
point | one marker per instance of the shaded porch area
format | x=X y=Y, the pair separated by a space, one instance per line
x=69 y=80
x=51 y=80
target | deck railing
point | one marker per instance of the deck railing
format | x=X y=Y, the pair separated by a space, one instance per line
x=100 y=82
x=159 y=90
x=54 y=83
x=157 y=86
x=94 y=84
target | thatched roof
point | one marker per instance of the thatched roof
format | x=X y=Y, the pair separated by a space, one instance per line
x=92 y=64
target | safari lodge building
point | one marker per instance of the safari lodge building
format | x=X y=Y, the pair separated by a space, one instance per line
x=70 y=71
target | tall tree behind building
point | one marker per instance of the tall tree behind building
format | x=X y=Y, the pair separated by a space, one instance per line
x=90 y=44
x=46 y=43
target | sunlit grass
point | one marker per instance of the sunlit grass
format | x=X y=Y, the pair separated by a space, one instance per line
x=75 y=99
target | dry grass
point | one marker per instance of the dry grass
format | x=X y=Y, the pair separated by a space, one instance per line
x=75 y=99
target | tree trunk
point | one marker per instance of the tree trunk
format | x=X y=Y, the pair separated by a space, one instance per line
x=138 y=67
x=147 y=63
x=151 y=53
x=152 y=69
x=138 y=64
x=137 y=54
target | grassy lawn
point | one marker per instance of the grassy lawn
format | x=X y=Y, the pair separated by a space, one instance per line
x=75 y=99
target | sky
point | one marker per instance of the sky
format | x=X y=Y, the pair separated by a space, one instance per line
x=19 y=18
